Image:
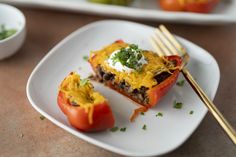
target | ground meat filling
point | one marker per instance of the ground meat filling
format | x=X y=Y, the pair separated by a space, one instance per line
x=138 y=94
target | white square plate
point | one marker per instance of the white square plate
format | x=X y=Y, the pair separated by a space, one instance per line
x=163 y=134
x=224 y=13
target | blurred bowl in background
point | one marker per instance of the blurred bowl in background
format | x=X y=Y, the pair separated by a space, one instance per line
x=12 y=19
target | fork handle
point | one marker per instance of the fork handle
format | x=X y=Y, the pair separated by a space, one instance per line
x=211 y=107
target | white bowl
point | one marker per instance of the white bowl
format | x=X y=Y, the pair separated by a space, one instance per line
x=11 y=17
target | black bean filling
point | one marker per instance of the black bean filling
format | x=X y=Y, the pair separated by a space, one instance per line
x=138 y=94
x=162 y=76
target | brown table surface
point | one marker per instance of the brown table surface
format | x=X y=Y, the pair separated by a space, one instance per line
x=22 y=133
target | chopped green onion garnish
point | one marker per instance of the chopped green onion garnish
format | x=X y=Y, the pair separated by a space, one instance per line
x=42 y=117
x=142 y=113
x=159 y=114
x=129 y=57
x=144 y=127
x=123 y=129
x=114 y=129
x=180 y=83
x=85 y=58
x=191 y=112
x=83 y=82
x=178 y=105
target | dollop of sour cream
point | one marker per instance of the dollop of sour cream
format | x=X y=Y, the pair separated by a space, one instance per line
x=120 y=67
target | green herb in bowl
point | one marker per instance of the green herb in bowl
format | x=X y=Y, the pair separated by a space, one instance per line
x=5 y=33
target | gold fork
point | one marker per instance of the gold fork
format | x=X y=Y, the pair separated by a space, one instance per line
x=165 y=44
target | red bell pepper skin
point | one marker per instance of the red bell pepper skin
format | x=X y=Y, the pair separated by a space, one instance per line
x=157 y=92
x=102 y=115
x=171 y=5
x=191 y=6
x=201 y=7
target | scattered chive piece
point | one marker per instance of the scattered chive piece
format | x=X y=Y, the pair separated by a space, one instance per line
x=180 y=83
x=42 y=117
x=85 y=58
x=144 y=127
x=83 y=82
x=191 y=112
x=114 y=129
x=159 y=114
x=123 y=129
x=142 y=113
x=178 y=105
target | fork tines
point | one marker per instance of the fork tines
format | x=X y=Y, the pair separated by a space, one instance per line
x=165 y=43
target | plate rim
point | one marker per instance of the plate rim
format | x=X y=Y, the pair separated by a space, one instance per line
x=81 y=134
x=130 y=12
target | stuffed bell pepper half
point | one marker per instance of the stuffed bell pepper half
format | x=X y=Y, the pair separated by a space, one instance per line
x=141 y=75
x=86 y=109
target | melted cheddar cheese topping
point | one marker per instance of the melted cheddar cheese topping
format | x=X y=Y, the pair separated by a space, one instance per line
x=136 y=79
x=82 y=95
